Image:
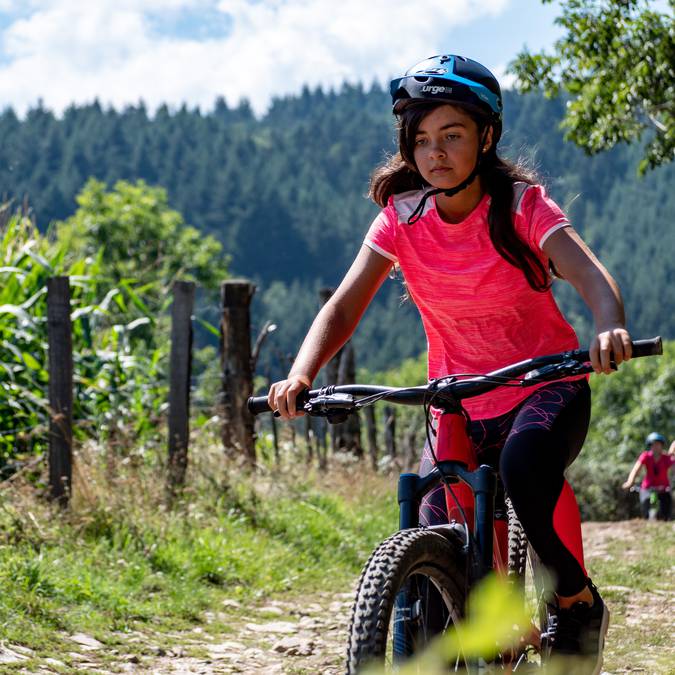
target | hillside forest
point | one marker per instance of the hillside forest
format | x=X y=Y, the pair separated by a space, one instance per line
x=124 y=203
x=285 y=195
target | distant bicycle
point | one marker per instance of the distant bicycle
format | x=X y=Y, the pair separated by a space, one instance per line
x=655 y=502
x=416 y=583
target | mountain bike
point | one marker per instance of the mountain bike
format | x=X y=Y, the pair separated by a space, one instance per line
x=415 y=584
x=656 y=506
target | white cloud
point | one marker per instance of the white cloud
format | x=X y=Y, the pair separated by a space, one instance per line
x=66 y=51
x=507 y=80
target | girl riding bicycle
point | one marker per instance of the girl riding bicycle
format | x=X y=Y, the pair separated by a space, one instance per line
x=478 y=241
x=656 y=481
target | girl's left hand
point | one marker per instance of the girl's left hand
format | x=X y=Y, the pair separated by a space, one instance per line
x=612 y=344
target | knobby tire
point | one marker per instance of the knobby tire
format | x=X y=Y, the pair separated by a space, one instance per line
x=405 y=556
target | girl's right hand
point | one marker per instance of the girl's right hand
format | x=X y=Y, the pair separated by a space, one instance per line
x=282 y=395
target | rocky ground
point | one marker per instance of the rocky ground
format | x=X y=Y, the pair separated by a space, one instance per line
x=280 y=637
x=277 y=637
x=308 y=637
x=639 y=591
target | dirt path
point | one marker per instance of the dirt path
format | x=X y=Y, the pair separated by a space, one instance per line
x=309 y=638
x=279 y=637
x=639 y=589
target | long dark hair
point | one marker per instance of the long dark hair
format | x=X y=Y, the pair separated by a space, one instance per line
x=498 y=175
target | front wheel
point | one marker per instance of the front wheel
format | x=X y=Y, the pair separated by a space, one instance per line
x=412 y=589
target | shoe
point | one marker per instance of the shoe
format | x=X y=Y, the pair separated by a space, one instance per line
x=578 y=634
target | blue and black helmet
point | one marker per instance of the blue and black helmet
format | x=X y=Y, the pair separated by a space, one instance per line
x=455 y=79
x=654 y=437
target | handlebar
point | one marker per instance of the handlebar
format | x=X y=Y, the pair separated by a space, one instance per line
x=650 y=347
x=338 y=401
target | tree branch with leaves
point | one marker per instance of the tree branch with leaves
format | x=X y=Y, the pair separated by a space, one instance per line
x=616 y=65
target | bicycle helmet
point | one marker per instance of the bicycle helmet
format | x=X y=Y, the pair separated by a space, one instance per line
x=455 y=79
x=654 y=437
x=459 y=81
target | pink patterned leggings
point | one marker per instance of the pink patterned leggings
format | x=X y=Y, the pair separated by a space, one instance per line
x=531 y=446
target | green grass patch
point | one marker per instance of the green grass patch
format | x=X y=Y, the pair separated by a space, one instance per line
x=633 y=568
x=120 y=561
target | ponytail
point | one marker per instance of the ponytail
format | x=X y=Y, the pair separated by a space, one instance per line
x=498 y=177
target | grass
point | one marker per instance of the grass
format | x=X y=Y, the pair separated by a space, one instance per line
x=632 y=563
x=140 y=577
x=120 y=561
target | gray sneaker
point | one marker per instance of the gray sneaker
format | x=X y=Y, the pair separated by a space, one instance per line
x=578 y=634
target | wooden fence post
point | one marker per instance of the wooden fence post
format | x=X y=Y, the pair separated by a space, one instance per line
x=349 y=432
x=309 y=436
x=322 y=445
x=292 y=429
x=235 y=357
x=371 y=432
x=179 y=381
x=390 y=430
x=331 y=370
x=60 y=389
x=275 y=440
x=411 y=449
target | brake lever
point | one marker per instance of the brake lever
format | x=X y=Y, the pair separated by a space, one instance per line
x=334 y=407
x=554 y=371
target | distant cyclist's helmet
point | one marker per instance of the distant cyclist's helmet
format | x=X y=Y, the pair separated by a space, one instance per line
x=654 y=437
x=454 y=79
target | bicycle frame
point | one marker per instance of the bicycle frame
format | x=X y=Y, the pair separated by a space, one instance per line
x=411 y=489
x=483 y=483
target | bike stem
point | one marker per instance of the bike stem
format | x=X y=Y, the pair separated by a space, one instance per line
x=483 y=483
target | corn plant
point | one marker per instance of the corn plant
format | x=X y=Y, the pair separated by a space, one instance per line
x=119 y=364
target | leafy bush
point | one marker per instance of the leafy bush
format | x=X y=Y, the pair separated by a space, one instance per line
x=626 y=407
x=630 y=404
x=122 y=250
x=143 y=239
x=597 y=486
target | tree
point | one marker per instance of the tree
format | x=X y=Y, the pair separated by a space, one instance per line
x=616 y=64
x=140 y=237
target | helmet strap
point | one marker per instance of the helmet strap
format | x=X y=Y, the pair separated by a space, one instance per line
x=451 y=192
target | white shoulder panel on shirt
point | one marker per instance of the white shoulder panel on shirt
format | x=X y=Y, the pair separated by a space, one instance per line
x=519 y=190
x=405 y=204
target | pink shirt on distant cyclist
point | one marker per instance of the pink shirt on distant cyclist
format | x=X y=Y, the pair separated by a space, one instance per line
x=479 y=312
x=657 y=471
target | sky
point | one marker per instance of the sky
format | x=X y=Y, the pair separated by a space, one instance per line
x=193 y=51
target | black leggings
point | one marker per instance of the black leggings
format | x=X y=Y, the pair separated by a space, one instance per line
x=531 y=446
x=665 y=504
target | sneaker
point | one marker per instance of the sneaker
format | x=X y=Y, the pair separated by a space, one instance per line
x=579 y=632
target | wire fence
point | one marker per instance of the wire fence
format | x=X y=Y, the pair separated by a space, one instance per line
x=169 y=397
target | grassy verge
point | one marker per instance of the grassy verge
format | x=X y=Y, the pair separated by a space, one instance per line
x=120 y=561
x=123 y=568
x=632 y=564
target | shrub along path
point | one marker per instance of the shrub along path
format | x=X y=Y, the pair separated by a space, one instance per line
x=631 y=562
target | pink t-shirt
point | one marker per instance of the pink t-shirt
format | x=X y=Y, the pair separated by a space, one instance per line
x=657 y=472
x=479 y=312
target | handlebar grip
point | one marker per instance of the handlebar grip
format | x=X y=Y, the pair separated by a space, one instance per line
x=650 y=347
x=258 y=404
